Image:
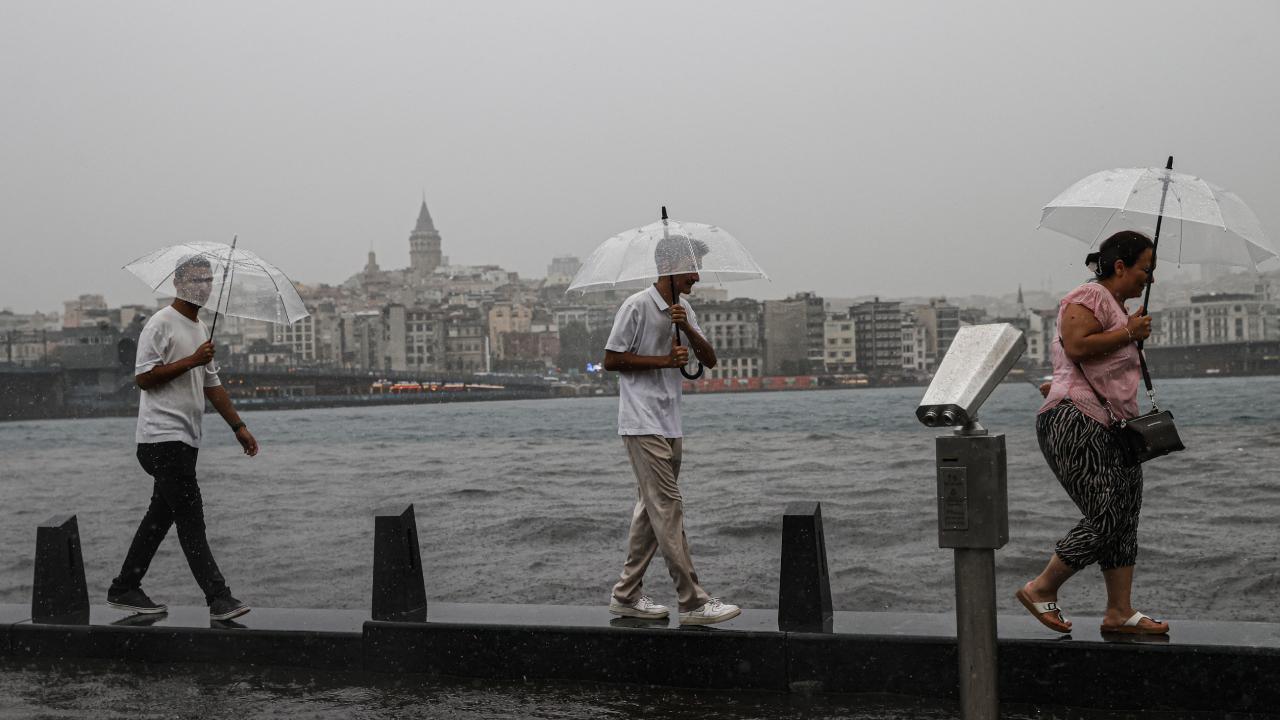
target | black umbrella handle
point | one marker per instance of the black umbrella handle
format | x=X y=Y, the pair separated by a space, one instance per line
x=675 y=300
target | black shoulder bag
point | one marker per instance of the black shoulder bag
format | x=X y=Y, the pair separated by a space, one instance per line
x=1146 y=436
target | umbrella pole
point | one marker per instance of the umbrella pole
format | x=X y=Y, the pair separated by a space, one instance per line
x=230 y=255
x=675 y=300
x=1155 y=241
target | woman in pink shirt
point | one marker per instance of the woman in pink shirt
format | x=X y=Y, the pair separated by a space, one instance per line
x=1095 y=381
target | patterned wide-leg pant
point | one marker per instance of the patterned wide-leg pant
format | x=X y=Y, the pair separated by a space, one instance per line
x=1087 y=459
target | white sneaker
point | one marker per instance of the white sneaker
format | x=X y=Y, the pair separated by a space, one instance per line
x=642 y=608
x=712 y=612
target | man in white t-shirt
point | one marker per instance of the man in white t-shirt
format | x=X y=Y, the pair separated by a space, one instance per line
x=176 y=372
x=644 y=349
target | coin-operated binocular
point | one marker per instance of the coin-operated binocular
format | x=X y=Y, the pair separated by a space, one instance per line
x=973 y=503
x=973 y=497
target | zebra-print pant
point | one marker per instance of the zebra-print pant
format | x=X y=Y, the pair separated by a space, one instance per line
x=1087 y=459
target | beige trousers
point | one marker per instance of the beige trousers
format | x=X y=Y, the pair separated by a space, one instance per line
x=658 y=522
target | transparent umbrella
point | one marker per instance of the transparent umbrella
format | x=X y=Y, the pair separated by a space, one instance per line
x=638 y=257
x=627 y=260
x=1199 y=222
x=244 y=285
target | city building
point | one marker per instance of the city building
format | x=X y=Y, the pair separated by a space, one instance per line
x=795 y=335
x=841 y=357
x=941 y=322
x=1041 y=332
x=786 y=342
x=733 y=329
x=84 y=311
x=29 y=348
x=1213 y=318
x=562 y=269
x=916 y=359
x=877 y=327
x=465 y=341
x=504 y=318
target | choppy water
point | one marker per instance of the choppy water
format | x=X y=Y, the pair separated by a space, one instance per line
x=528 y=502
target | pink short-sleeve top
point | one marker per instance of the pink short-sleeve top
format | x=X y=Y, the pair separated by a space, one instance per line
x=1115 y=375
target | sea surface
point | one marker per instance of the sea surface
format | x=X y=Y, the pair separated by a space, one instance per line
x=529 y=501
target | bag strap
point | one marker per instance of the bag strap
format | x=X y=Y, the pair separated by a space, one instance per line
x=1105 y=403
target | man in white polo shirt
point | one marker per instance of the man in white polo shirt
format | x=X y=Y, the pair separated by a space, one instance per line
x=643 y=348
x=175 y=370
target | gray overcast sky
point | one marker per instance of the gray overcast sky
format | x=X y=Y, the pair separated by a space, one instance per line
x=892 y=148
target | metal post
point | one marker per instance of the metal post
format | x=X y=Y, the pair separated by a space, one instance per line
x=976 y=632
x=974 y=520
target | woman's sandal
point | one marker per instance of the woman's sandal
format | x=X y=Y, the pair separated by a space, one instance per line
x=1133 y=626
x=1042 y=611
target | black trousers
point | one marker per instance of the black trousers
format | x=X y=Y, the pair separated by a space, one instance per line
x=175 y=500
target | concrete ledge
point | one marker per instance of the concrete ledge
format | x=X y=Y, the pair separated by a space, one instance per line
x=321 y=639
x=687 y=657
x=1203 y=666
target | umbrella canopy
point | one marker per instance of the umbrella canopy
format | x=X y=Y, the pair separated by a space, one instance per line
x=629 y=260
x=1203 y=223
x=243 y=284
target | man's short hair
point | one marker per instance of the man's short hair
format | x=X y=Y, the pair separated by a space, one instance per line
x=679 y=254
x=187 y=264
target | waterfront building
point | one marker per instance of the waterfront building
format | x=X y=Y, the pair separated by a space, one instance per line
x=299 y=338
x=733 y=329
x=415 y=338
x=941 y=322
x=916 y=359
x=9 y=320
x=841 y=357
x=794 y=334
x=465 y=341
x=363 y=341
x=29 y=348
x=786 y=349
x=877 y=327
x=1042 y=330
x=1214 y=318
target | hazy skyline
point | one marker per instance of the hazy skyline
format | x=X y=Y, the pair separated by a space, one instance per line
x=893 y=149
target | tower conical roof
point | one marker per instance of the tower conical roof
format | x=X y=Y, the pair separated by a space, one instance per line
x=424 y=220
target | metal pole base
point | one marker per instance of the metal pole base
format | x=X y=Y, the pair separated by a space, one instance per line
x=976 y=632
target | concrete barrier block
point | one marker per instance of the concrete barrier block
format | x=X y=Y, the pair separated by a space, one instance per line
x=58 y=592
x=399 y=592
x=804 y=585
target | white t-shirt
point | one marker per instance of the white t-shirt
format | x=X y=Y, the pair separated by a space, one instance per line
x=648 y=400
x=172 y=411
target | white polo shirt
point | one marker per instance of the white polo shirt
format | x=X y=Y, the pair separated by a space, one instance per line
x=648 y=400
x=174 y=410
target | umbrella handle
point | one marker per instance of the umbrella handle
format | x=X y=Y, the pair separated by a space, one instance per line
x=675 y=299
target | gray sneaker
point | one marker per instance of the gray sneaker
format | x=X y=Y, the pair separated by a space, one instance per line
x=713 y=611
x=225 y=608
x=642 y=608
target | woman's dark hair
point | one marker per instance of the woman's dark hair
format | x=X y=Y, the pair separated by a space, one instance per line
x=1125 y=245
